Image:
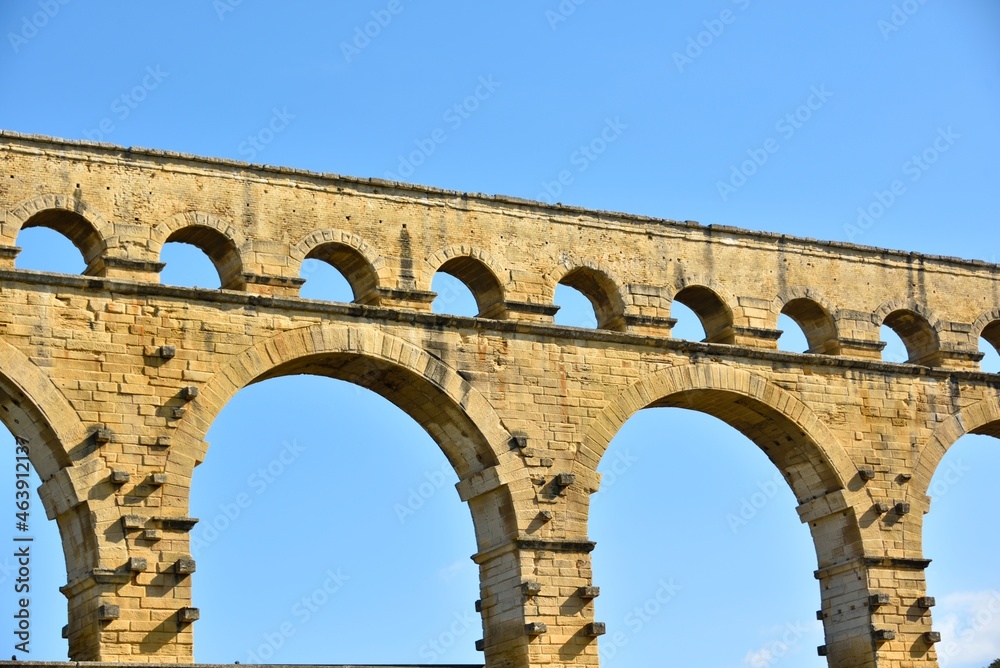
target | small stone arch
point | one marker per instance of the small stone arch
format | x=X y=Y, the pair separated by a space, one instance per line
x=919 y=329
x=712 y=303
x=814 y=466
x=349 y=254
x=485 y=277
x=605 y=290
x=79 y=222
x=222 y=242
x=814 y=315
x=987 y=326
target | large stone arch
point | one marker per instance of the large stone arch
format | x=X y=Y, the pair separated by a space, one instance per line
x=606 y=290
x=456 y=415
x=38 y=415
x=822 y=466
x=982 y=417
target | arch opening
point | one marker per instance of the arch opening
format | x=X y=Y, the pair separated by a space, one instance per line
x=48 y=251
x=715 y=316
x=602 y=293
x=480 y=281
x=816 y=325
x=671 y=586
x=989 y=345
x=575 y=310
x=356 y=506
x=963 y=576
x=453 y=296
x=221 y=251
x=918 y=337
x=353 y=267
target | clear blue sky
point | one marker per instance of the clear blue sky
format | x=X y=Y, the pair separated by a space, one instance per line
x=832 y=100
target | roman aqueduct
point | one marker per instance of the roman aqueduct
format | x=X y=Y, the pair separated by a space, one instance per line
x=114 y=379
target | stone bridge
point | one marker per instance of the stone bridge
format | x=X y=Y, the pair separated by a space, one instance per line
x=112 y=379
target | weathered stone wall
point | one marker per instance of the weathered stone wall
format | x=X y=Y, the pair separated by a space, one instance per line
x=114 y=380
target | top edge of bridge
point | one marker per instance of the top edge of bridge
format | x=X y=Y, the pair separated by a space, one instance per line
x=618 y=216
x=104 y=664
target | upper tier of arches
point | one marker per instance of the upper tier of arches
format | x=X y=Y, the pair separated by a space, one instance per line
x=377 y=278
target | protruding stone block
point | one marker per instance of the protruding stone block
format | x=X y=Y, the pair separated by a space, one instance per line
x=480 y=645
x=189 y=393
x=132 y=522
x=120 y=477
x=167 y=352
x=138 y=564
x=184 y=566
x=902 y=508
x=589 y=593
x=821 y=650
x=102 y=436
x=531 y=588
x=926 y=602
x=107 y=612
x=883 y=635
x=158 y=479
x=595 y=629
x=565 y=480
x=536 y=628
x=152 y=534
x=932 y=637
x=479 y=605
x=867 y=473
x=188 y=615
x=875 y=600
